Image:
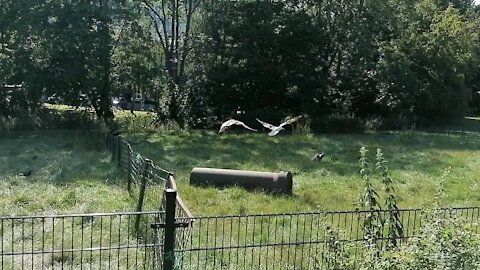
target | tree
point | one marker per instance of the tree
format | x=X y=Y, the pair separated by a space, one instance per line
x=61 y=47
x=17 y=66
x=422 y=73
x=136 y=60
x=172 y=20
x=259 y=56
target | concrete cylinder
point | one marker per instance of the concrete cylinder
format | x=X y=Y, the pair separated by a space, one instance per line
x=278 y=183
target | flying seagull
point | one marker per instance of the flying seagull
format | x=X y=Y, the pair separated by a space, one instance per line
x=276 y=129
x=232 y=122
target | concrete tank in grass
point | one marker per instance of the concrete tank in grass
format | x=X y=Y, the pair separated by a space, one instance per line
x=277 y=183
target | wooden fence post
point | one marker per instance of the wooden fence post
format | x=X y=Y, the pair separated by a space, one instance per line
x=129 y=168
x=141 y=194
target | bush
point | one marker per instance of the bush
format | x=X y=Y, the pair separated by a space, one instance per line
x=45 y=119
x=137 y=123
x=337 y=123
x=443 y=243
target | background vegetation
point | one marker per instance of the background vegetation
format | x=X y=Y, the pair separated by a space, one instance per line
x=344 y=64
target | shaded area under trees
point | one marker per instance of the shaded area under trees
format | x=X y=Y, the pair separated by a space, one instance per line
x=390 y=63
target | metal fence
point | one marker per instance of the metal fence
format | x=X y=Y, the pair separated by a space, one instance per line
x=79 y=241
x=141 y=173
x=166 y=241
x=129 y=240
x=294 y=240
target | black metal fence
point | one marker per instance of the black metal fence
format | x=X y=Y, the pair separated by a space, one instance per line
x=79 y=241
x=173 y=227
x=294 y=240
x=164 y=241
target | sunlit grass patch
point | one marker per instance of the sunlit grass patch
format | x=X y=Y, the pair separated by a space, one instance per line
x=416 y=161
x=58 y=172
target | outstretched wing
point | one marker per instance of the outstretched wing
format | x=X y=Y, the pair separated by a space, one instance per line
x=275 y=131
x=289 y=121
x=245 y=126
x=265 y=124
x=225 y=125
x=232 y=122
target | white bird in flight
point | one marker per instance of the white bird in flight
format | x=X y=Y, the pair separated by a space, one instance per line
x=232 y=122
x=276 y=129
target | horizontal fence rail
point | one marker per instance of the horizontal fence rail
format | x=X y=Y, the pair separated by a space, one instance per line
x=83 y=241
x=256 y=241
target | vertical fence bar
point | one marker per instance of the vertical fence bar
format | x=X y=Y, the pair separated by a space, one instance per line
x=141 y=194
x=129 y=167
x=169 y=235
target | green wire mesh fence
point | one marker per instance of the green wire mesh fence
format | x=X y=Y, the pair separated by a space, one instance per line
x=143 y=174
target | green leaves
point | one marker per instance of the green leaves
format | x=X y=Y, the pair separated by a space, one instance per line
x=423 y=70
x=408 y=60
x=374 y=224
x=405 y=60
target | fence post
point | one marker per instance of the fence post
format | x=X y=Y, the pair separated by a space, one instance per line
x=141 y=194
x=169 y=235
x=129 y=167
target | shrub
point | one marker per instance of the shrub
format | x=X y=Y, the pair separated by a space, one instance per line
x=337 y=123
x=45 y=119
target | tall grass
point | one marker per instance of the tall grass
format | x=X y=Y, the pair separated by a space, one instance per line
x=416 y=164
x=67 y=172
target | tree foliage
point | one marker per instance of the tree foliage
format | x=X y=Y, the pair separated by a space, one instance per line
x=406 y=60
x=60 y=47
x=409 y=61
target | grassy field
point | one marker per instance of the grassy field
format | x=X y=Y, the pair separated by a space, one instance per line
x=417 y=161
x=69 y=172
x=60 y=172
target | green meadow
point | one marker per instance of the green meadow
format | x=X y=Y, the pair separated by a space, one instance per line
x=420 y=163
x=67 y=172
x=72 y=172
